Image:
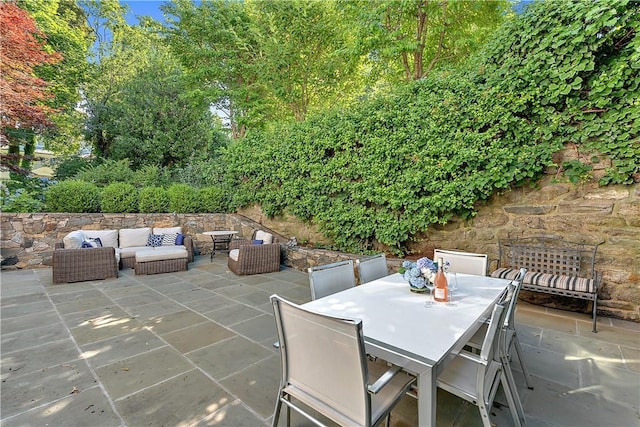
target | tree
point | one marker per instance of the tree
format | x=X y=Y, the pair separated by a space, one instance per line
x=152 y=122
x=22 y=111
x=407 y=39
x=217 y=44
x=65 y=24
x=308 y=59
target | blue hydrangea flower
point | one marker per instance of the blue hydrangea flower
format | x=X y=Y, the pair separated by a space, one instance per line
x=418 y=282
x=407 y=264
x=426 y=263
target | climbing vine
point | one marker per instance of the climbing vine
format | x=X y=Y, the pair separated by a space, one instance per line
x=387 y=168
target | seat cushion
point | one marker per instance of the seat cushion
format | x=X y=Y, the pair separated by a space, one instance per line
x=109 y=238
x=234 y=253
x=130 y=237
x=161 y=253
x=74 y=239
x=558 y=281
x=264 y=236
x=131 y=252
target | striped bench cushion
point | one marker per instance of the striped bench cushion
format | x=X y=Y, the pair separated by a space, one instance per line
x=570 y=283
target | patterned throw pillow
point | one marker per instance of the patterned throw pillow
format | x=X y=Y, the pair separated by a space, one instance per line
x=169 y=239
x=154 y=240
x=92 y=243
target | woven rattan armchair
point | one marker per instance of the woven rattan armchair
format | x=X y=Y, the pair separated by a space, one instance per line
x=254 y=259
x=79 y=265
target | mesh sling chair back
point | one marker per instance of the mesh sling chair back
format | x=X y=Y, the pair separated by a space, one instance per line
x=476 y=377
x=325 y=369
x=372 y=268
x=464 y=262
x=511 y=335
x=331 y=278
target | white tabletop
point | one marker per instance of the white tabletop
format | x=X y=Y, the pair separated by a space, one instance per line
x=220 y=233
x=399 y=328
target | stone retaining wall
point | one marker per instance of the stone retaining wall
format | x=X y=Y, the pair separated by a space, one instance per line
x=28 y=240
x=574 y=212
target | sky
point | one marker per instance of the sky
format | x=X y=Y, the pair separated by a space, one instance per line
x=152 y=8
x=143 y=8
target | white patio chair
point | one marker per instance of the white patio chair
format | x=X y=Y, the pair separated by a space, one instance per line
x=511 y=335
x=325 y=369
x=331 y=278
x=476 y=378
x=463 y=262
x=372 y=268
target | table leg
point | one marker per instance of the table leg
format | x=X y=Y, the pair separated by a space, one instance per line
x=427 y=392
x=213 y=248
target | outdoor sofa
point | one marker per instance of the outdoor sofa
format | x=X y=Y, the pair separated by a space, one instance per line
x=99 y=254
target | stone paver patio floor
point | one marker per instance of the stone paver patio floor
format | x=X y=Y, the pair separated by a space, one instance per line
x=195 y=348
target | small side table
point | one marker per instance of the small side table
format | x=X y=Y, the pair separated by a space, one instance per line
x=220 y=238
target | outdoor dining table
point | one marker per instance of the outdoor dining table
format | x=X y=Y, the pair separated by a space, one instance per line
x=399 y=328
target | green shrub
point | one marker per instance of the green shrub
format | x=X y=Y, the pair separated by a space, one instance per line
x=150 y=176
x=183 y=199
x=106 y=173
x=213 y=199
x=23 y=194
x=70 y=166
x=21 y=201
x=153 y=200
x=119 y=197
x=73 y=196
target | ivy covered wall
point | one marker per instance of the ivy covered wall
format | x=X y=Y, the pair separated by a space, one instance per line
x=385 y=170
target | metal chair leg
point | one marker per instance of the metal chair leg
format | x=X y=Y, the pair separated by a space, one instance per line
x=525 y=370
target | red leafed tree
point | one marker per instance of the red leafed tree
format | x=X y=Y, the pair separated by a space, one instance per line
x=22 y=112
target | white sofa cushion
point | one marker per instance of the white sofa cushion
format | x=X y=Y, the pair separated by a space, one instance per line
x=109 y=238
x=167 y=230
x=234 y=253
x=266 y=238
x=161 y=253
x=130 y=252
x=130 y=237
x=74 y=239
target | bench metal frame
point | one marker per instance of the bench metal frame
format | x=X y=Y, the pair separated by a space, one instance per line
x=553 y=255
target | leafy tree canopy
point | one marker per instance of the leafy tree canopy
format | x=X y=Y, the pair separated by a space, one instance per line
x=65 y=26
x=22 y=111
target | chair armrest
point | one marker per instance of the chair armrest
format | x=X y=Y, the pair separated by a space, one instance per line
x=236 y=243
x=384 y=379
x=188 y=243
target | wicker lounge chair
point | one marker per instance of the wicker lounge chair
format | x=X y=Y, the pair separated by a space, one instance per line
x=254 y=259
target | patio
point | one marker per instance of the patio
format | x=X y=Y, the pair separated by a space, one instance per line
x=195 y=348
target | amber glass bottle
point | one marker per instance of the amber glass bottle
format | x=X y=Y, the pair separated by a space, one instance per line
x=440 y=292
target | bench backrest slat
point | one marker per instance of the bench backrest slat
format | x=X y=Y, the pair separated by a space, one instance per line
x=549 y=255
x=546 y=260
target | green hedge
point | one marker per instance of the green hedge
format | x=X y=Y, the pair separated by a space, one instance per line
x=73 y=196
x=153 y=200
x=183 y=199
x=119 y=197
